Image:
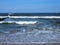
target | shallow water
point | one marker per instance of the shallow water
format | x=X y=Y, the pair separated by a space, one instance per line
x=46 y=30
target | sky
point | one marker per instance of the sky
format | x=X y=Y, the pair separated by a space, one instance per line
x=29 y=6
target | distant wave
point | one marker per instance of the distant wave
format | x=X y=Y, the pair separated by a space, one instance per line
x=30 y=16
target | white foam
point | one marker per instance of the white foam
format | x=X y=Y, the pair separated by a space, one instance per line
x=35 y=17
x=6 y=21
x=26 y=22
x=30 y=16
x=19 y=22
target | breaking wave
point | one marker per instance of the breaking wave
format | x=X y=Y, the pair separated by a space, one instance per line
x=19 y=22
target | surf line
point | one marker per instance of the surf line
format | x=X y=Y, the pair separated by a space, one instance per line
x=30 y=16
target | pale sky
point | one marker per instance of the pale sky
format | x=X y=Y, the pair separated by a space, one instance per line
x=30 y=6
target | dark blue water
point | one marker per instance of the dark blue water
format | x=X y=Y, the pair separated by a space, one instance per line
x=31 y=14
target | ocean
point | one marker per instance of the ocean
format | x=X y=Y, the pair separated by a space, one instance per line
x=44 y=30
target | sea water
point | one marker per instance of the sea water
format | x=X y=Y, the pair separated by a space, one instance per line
x=45 y=30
